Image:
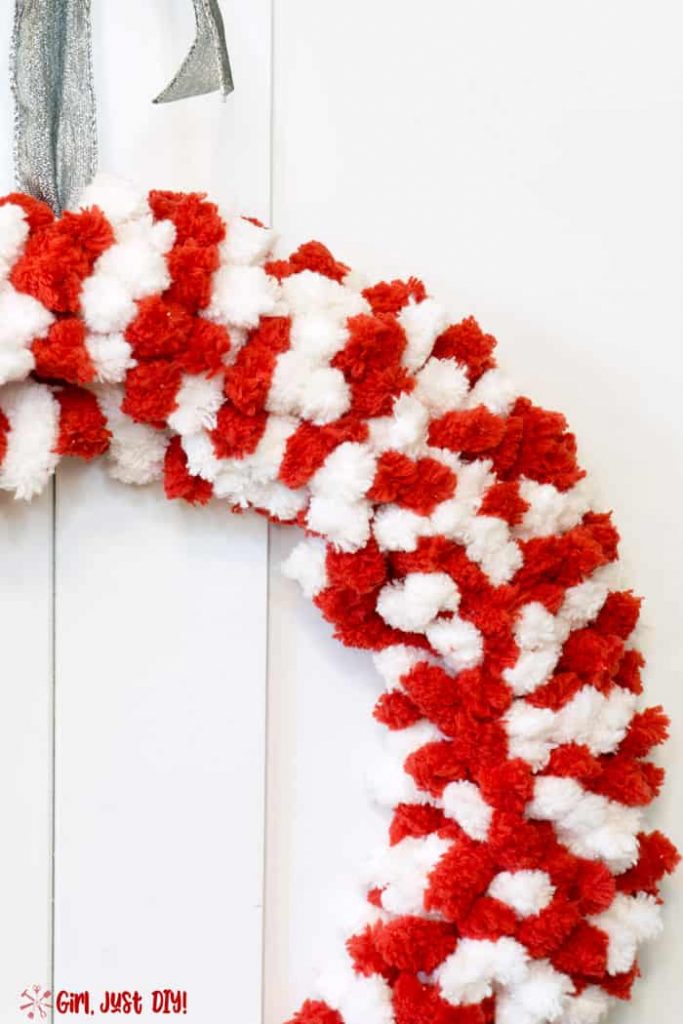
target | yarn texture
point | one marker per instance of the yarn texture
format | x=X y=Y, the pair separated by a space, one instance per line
x=448 y=529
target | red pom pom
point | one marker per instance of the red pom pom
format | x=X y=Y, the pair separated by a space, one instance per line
x=547 y=452
x=364 y=570
x=191 y=266
x=150 y=392
x=471 y=431
x=504 y=501
x=467 y=343
x=366 y=958
x=415 y=820
x=414 y=943
x=657 y=857
x=160 y=329
x=392 y=296
x=508 y=785
x=236 y=435
x=489 y=919
x=647 y=729
x=417 y=485
x=194 y=217
x=417 y=1003
x=82 y=426
x=595 y=885
x=62 y=355
x=178 y=482
x=434 y=765
x=621 y=985
x=309 y=446
x=59 y=257
x=311 y=256
x=396 y=711
x=316 y=1013
x=619 y=614
x=584 y=953
x=628 y=674
x=247 y=381
x=371 y=363
x=207 y=344
x=463 y=873
x=546 y=932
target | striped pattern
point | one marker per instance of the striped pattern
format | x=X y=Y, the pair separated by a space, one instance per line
x=448 y=529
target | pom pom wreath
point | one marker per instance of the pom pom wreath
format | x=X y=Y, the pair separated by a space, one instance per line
x=449 y=530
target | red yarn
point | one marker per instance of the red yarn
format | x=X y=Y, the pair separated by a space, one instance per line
x=312 y=256
x=178 y=482
x=392 y=296
x=470 y=431
x=316 y=1013
x=59 y=256
x=4 y=431
x=467 y=344
x=235 y=434
x=62 y=355
x=247 y=381
x=83 y=429
x=150 y=391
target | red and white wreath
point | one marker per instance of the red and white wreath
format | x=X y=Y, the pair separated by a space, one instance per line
x=448 y=529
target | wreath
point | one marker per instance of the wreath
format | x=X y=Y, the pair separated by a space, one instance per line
x=448 y=529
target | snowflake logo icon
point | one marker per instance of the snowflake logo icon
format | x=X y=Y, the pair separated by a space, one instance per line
x=35 y=1002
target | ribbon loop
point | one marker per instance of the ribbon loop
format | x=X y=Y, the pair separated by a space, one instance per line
x=207 y=66
x=55 y=124
x=55 y=131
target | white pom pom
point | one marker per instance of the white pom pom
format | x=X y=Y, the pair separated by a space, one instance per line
x=590 y=1007
x=324 y=396
x=198 y=400
x=30 y=459
x=306 y=565
x=458 y=641
x=464 y=803
x=118 y=199
x=398 y=529
x=412 y=603
x=345 y=523
x=22 y=319
x=241 y=295
x=111 y=356
x=527 y=892
x=13 y=234
x=467 y=976
x=442 y=385
x=245 y=242
x=346 y=474
x=423 y=322
x=493 y=390
x=318 y=335
x=540 y=997
x=107 y=304
x=136 y=451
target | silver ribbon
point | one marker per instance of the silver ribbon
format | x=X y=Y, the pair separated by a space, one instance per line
x=207 y=66
x=55 y=129
x=55 y=124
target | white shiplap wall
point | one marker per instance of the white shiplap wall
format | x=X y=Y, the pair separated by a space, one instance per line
x=527 y=160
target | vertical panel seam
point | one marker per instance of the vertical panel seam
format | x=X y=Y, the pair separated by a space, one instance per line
x=269 y=528
x=52 y=759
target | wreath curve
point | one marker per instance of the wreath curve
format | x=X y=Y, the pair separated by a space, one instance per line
x=448 y=529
